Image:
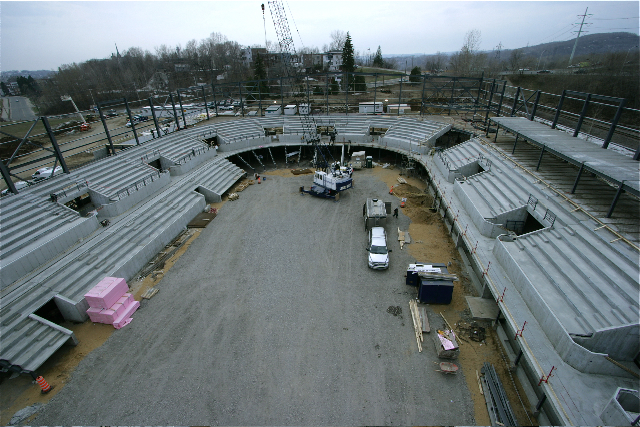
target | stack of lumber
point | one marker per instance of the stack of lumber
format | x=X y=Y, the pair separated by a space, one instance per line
x=420 y=322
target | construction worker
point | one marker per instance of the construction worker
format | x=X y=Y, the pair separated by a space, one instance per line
x=395 y=212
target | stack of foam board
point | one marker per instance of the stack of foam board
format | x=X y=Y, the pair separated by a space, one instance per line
x=110 y=303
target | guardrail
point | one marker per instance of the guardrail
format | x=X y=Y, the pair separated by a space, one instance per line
x=125 y=192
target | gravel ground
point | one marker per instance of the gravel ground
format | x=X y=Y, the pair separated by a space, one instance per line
x=271 y=317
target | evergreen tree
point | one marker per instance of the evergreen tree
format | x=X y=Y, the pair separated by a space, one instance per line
x=348 y=61
x=416 y=72
x=4 y=88
x=260 y=73
x=377 y=60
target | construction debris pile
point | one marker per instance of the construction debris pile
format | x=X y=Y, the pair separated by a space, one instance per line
x=110 y=303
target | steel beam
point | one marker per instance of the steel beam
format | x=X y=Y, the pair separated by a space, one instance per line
x=535 y=106
x=54 y=144
x=575 y=184
x=175 y=114
x=6 y=175
x=515 y=101
x=184 y=119
x=615 y=199
x=106 y=129
x=558 y=109
x=155 y=118
x=582 y=114
x=133 y=125
x=614 y=123
x=540 y=159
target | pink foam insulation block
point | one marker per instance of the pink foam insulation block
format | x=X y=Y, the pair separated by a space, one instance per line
x=126 y=300
x=112 y=313
x=94 y=314
x=107 y=292
x=124 y=318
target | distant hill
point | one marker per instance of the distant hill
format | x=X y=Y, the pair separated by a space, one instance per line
x=587 y=45
x=36 y=74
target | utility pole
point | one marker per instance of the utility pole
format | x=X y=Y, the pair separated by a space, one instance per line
x=579 y=31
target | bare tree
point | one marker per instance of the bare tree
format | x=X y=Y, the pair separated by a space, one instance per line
x=338 y=37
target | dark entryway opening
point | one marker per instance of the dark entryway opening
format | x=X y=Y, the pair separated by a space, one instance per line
x=81 y=204
x=529 y=225
x=51 y=312
x=155 y=164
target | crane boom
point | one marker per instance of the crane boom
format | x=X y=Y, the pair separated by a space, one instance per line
x=288 y=53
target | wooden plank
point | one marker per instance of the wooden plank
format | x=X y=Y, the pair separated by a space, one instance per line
x=425 y=320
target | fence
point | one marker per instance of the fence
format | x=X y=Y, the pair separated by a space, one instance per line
x=121 y=123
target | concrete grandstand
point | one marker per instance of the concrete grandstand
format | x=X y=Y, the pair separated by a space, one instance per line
x=543 y=259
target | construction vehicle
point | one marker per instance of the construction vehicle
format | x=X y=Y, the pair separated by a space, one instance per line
x=328 y=176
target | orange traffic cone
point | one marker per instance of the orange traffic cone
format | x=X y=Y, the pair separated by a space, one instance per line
x=391 y=190
x=44 y=385
x=258 y=180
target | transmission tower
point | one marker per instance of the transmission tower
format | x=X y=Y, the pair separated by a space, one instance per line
x=579 y=31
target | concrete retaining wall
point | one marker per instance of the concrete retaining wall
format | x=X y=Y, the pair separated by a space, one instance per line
x=621 y=343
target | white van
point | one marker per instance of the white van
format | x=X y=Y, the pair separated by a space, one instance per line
x=378 y=252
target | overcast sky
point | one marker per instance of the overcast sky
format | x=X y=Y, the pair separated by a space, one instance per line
x=45 y=35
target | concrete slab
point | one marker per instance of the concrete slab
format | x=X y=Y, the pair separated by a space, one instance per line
x=482 y=308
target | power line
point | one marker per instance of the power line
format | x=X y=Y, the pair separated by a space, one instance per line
x=613 y=19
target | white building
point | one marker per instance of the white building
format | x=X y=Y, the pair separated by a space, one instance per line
x=332 y=61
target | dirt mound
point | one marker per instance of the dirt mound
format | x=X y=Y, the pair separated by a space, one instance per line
x=415 y=196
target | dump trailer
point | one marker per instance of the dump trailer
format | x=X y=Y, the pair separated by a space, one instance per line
x=374 y=212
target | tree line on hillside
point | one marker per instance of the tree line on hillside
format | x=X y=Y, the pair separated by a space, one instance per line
x=136 y=73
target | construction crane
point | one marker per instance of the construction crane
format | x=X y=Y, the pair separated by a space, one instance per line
x=295 y=76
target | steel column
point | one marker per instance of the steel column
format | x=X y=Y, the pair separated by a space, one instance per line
x=543 y=398
x=155 y=118
x=400 y=95
x=241 y=103
x=582 y=114
x=540 y=159
x=175 y=114
x=515 y=101
x=346 y=99
x=614 y=123
x=558 y=109
x=133 y=126
x=615 y=200
x=535 y=106
x=54 y=144
x=375 y=92
x=486 y=117
x=504 y=86
x=6 y=175
x=514 y=144
x=260 y=97
x=106 y=129
x=326 y=91
x=575 y=184
x=184 y=119
x=495 y=139
x=475 y=106
x=424 y=82
x=518 y=357
x=204 y=98
x=453 y=88
x=215 y=103
x=281 y=98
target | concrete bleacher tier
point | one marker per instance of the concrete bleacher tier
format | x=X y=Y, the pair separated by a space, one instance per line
x=579 y=287
x=35 y=230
